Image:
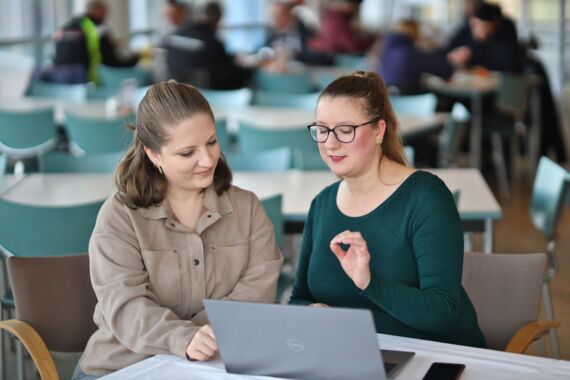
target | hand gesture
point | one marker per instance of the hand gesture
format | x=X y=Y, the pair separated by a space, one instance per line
x=355 y=261
x=203 y=345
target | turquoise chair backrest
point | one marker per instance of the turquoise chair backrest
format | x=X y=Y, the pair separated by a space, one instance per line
x=275 y=160
x=98 y=135
x=349 y=61
x=309 y=160
x=101 y=92
x=252 y=139
x=513 y=93
x=3 y=163
x=298 y=82
x=57 y=162
x=273 y=208
x=25 y=130
x=301 y=101
x=224 y=137
x=228 y=98
x=548 y=196
x=27 y=230
x=420 y=105
x=112 y=77
x=76 y=93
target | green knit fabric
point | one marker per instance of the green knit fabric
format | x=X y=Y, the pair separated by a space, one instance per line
x=93 y=48
x=415 y=240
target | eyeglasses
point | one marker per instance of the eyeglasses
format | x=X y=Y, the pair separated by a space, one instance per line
x=343 y=133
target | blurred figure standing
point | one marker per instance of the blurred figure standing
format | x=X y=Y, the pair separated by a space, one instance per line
x=85 y=42
x=195 y=55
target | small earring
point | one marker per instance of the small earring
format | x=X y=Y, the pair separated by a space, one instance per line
x=159 y=168
x=379 y=141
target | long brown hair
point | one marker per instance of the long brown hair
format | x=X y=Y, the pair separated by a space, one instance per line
x=371 y=90
x=165 y=104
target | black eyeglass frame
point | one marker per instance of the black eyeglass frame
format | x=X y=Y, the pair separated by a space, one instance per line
x=333 y=130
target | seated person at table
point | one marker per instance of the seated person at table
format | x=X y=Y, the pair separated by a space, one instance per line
x=494 y=44
x=402 y=62
x=175 y=232
x=386 y=237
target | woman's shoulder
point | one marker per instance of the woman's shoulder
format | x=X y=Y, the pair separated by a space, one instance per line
x=423 y=181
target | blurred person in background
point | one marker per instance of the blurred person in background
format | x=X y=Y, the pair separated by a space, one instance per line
x=340 y=29
x=494 y=44
x=85 y=42
x=195 y=54
x=402 y=62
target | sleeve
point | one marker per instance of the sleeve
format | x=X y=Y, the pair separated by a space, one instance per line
x=437 y=242
x=301 y=294
x=259 y=281
x=128 y=307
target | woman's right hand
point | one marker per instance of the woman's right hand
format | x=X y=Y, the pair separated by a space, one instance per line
x=319 y=305
x=203 y=345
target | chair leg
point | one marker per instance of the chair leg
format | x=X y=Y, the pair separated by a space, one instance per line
x=550 y=316
x=20 y=361
x=500 y=166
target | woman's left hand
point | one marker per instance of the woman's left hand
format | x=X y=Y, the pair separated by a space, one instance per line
x=355 y=261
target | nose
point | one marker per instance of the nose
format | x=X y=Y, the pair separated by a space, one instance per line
x=207 y=158
x=331 y=142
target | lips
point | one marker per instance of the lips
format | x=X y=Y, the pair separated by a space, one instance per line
x=337 y=159
x=204 y=173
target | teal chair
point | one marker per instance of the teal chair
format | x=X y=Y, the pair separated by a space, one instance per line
x=547 y=201
x=26 y=134
x=419 y=105
x=309 y=160
x=228 y=98
x=253 y=139
x=112 y=77
x=273 y=208
x=57 y=162
x=297 y=82
x=410 y=155
x=276 y=99
x=98 y=135
x=275 y=160
x=350 y=61
x=225 y=139
x=27 y=231
x=101 y=92
x=3 y=163
x=76 y=93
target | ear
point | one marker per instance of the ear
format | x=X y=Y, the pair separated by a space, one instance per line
x=380 y=131
x=152 y=156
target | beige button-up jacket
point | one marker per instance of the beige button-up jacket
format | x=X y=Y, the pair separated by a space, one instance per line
x=150 y=274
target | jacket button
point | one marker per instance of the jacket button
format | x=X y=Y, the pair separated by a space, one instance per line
x=196 y=262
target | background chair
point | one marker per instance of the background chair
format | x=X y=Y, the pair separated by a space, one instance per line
x=296 y=82
x=350 y=61
x=274 y=160
x=301 y=101
x=505 y=290
x=225 y=139
x=57 y=162
x=98 y=135
x=254 y=139
x=419 y=105
x=273 y=208
x=26 y=134
x=3 y=164
x=228 y=98
x=113 y=77
x=452 y=135
x=54 y=303
x=547 y=200
x=76 y=93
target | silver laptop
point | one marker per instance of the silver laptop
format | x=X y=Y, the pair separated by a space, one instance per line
x=299 y=342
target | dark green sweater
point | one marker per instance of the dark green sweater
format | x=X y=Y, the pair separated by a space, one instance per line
x=415 y=241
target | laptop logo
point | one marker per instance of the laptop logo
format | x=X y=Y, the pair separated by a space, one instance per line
x=295 y=345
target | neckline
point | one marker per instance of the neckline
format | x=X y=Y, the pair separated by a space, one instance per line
x=379 y=206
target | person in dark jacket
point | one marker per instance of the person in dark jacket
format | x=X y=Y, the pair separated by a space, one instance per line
x=195 y=55
x=85 y=42
x=494 y=44
x=402 y=63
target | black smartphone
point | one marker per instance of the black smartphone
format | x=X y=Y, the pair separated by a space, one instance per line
x=444 y=371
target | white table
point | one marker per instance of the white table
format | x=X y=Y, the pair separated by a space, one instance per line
x=285 y=117
x=477 y=205
x=479 y=364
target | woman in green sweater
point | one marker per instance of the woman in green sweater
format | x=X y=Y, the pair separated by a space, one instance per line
x=386 y=237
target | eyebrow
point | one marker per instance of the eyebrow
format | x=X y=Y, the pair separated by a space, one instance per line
x=182 y=149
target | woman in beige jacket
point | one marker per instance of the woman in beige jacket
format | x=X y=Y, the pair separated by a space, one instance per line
x=175 y=232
